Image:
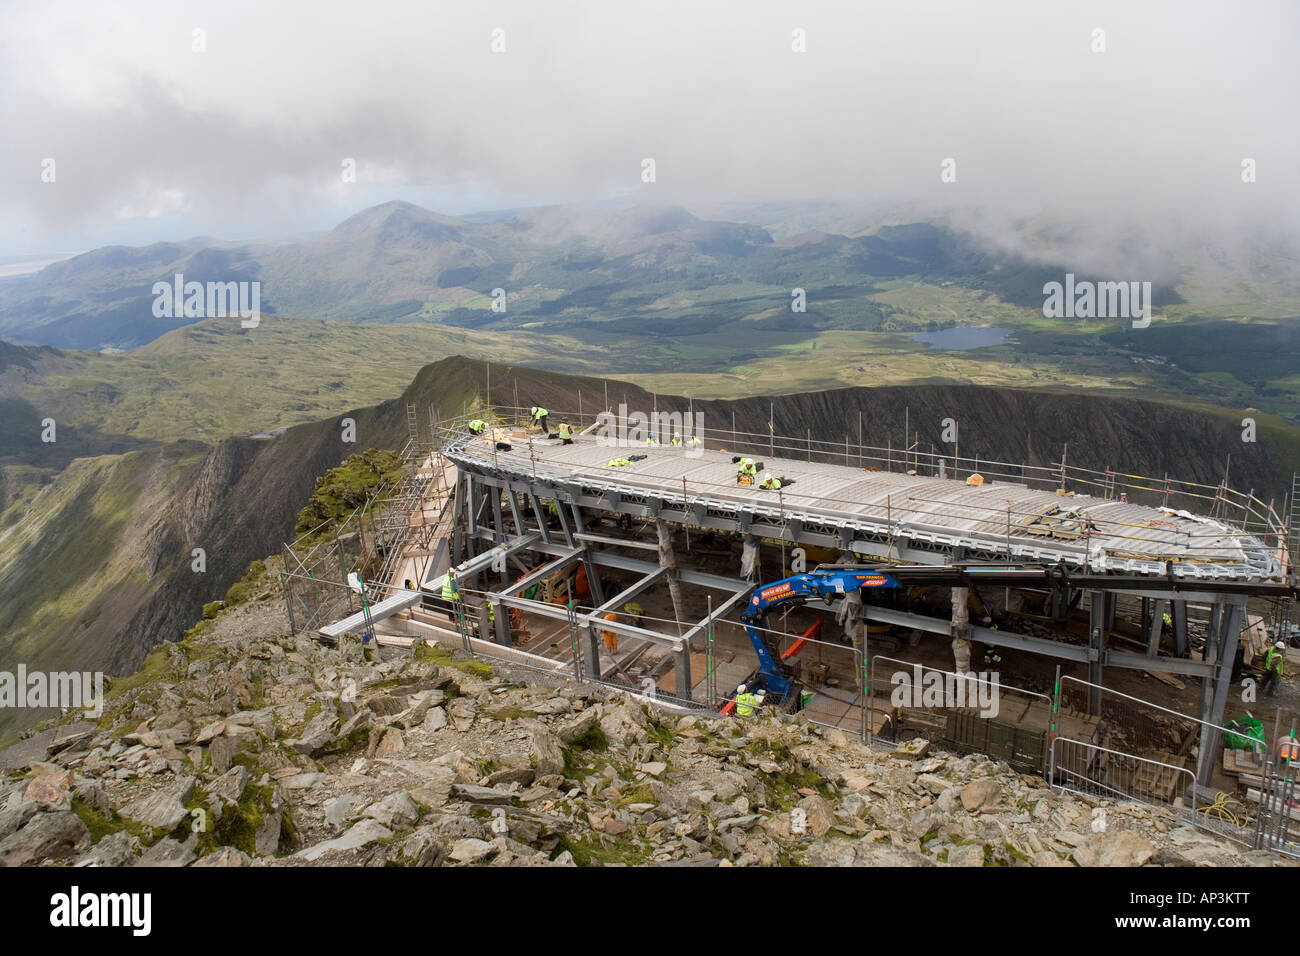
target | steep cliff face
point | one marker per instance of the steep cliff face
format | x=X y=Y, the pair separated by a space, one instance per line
x=100 y=568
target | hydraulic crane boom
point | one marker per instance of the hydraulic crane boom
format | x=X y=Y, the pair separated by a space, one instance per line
x=829 y=582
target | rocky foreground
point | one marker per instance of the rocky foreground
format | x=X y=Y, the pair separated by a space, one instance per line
x=231 y=749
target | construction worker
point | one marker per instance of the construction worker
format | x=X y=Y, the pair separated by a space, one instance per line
x=477 y=426
x=651 y=440
x=758 y=699
x=747 y=470
x=450 y=593
x=676 y=441
x=618 y=462
x=1167 y=623
x=610 y=637
x=744 y=701
x=1274 y=661
x=540 y=417
x=695 y=440
x=566 y=433
x=991 y=656
x=770 y=483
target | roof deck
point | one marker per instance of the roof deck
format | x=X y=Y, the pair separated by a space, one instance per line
x=1000 y=518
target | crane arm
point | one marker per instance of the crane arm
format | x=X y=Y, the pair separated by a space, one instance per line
x=809 y=585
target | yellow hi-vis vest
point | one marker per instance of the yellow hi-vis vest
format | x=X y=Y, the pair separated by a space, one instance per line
x=745 y=704
x=565 y=430
x=747 y=466
x=449 y=590
x=1274 y=660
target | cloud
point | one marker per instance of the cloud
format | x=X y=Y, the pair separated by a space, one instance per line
x=1144 y=140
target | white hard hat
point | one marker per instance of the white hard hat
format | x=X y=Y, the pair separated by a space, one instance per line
x=740 y=688
x=1281 y=644
x=761 y=694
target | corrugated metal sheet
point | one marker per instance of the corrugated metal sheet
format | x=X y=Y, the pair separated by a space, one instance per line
x=923 y=507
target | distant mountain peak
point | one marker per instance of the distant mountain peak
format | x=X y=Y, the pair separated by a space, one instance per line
x=398 y=216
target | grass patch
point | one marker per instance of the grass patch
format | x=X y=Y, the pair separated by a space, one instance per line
x=101 y=824
x=591 y=852
x=445 y=658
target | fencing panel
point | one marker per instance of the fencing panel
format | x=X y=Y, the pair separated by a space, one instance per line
x=969 y=713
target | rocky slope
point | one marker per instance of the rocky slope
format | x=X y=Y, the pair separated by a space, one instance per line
x=239 y=747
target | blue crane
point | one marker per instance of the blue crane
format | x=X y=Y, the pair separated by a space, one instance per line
x=829 y=582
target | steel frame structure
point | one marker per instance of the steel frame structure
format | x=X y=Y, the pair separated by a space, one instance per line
x=498 y=501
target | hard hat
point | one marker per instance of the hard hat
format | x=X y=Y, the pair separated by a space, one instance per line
x=987 y=619
x=761 y=694
x=1281 y=644
x=740 y=689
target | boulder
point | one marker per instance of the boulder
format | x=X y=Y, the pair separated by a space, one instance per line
x=50 y=791
x=170 y=852
x=342 y=808
x=24 y=752
x=421 y=848
x=221 y=751
x=116 y=849
x=230 y=786
x=968 y=854
x=362 y=834
x=1115 y=848
x=818 y=815
x=226 y=856
x=571 y=730
x=395 y=811
x=162 y=809
x=980 y=793
x=391 y=744
x=316 y=736
x=475 y=794
x=547 y=752
x=46 y=836
x=471 y=850
x=624 y=724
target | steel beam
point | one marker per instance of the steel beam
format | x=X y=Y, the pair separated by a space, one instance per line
x=618 y=600
x=615 y=542
x=1211 y=736
x=1155 y=626
x=935 y=625
x=718 y=612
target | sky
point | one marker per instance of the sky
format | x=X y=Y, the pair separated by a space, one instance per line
x=243 y=130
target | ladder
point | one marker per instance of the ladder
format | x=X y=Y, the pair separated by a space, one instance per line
x=1293 y=518
x=412 y=426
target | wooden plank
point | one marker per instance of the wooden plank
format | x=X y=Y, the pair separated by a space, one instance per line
x=1169 y=679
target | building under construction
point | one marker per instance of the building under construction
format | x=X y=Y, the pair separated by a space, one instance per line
x=627 y=559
